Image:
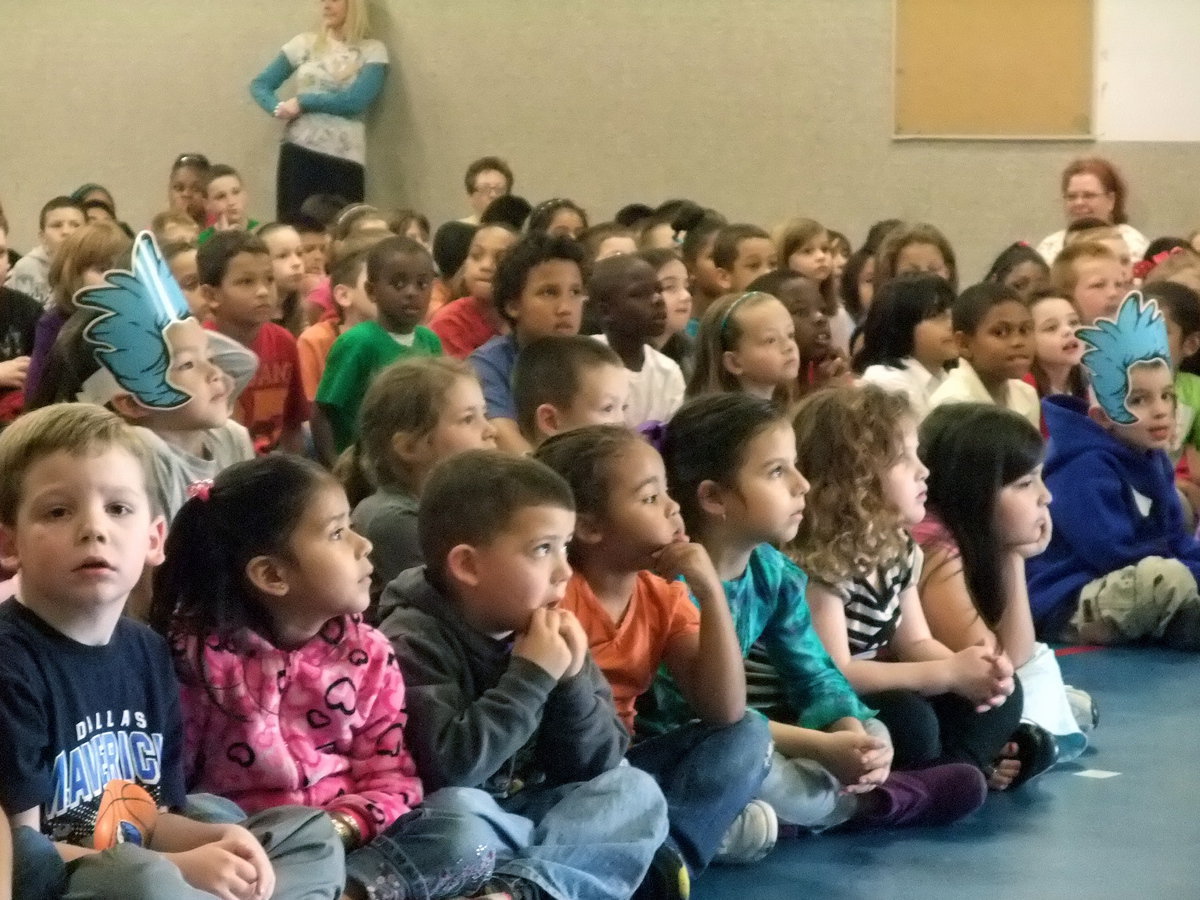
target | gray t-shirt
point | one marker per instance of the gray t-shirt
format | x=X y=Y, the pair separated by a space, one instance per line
x=388 y=519
x=174 y=470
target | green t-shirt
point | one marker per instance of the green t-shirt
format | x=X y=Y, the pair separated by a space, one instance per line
x=212 y=229
x=1187 y=415
x=352 y=362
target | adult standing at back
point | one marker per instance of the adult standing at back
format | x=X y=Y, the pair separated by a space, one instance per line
x=339 y=72
x=1092 y=188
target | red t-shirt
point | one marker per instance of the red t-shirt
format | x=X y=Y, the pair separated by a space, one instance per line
x=462 y=327
x=273 y=402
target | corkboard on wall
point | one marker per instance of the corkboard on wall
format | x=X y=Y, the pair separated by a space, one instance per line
x=991 y=69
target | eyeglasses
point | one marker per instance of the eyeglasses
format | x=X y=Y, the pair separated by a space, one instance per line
x=491 y=190
x=1085 y=196
x=198 y=160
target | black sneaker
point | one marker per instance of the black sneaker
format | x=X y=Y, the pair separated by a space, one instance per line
x=668 y=878
x=515 y=887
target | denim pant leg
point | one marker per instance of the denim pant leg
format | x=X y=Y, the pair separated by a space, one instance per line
x=127 y=872
x=441 y=849
x=304 y=851
x=708 y=773
x=593 y=840
x=39 y=873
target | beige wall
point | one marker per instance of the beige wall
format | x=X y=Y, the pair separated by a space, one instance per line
x=761 y=108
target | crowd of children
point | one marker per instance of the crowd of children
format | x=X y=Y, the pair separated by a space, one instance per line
x=546 y=558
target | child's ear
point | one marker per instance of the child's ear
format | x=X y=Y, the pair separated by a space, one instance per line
x=731 y=364
x=8 y=549
x=547 y=420
x=1191 y=344
x=462 y=564
x=268 y=576
x=341 y=295
x=410 y=449
x=128 y=408
x=724 y=279
x=711 y=497
x=963 y=341
x=158 y=540
x=587 y=529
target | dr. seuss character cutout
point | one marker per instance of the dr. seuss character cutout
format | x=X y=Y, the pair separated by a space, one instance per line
x=1125 y=354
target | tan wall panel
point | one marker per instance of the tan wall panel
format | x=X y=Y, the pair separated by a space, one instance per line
x=762 y=108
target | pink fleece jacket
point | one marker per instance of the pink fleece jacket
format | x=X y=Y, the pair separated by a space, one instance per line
x=320 y=726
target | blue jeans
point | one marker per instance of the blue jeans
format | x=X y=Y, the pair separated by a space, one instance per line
x=591 y=840
x=301 y=844
x=708 y=773
x=432 y=852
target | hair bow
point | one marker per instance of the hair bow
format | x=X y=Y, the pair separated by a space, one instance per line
x=200 y=489
x=655 y=434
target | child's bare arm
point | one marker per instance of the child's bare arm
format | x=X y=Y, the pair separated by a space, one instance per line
x=707 y=665
x=225 y=860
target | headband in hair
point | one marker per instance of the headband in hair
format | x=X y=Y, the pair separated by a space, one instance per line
x=733 y=306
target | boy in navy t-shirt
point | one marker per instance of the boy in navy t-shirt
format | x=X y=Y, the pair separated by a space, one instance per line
x=89 y=707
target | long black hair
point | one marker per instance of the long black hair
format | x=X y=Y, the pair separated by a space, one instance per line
x=901 y=305
x=706 y=441
x=251 y=510
x=972 y=451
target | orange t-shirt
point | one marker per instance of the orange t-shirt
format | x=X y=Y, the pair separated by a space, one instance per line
x=313 y=345
x=630 y=652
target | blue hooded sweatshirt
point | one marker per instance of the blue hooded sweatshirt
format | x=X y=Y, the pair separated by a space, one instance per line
x=1114 y=505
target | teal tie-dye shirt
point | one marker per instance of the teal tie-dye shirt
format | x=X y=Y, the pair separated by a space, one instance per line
x=768 y=605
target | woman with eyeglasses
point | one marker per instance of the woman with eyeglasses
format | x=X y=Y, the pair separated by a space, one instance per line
x=339 y=72
x=1092 y=188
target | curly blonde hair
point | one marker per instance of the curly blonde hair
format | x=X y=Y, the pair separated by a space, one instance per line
x=846 y=439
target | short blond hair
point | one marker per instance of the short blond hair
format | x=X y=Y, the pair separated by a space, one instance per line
x=1063 y=275
x=75 y=428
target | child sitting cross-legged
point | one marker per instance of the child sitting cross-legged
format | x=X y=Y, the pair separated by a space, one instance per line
x=288 y=697
x=1121 y=565
x=868 y=489
x=89 y=708
x=504 y=698
x=730 y=462
x=629 y=549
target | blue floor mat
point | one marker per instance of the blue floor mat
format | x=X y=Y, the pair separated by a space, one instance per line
x=1132 y=835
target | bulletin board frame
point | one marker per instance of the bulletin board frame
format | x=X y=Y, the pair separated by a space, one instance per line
x=994 y=70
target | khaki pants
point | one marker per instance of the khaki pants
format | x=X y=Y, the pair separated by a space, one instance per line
x=1155 y=599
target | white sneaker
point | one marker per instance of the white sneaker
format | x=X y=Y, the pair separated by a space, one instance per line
x=751 y=836
x=1083 y=707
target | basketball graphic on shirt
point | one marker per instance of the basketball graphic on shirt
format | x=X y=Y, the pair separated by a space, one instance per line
x=127 y=815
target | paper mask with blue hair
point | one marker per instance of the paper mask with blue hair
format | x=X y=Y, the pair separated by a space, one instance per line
x=1136 y=337
x=137 y=310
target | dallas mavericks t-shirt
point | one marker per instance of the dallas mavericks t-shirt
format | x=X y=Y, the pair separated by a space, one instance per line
x=75 y=717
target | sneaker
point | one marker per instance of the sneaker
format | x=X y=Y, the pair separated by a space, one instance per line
x=512 y=887
x=751 y=836
x=1083 y=707
x=938 y=795
x=667 y=879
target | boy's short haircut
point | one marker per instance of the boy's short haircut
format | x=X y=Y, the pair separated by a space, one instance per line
x=212 y=260
x=772 y=282
x=172 y=249
x=550 y=370
x=527 y=253
x=488 y=164
x=1063 y=276
x=304 y=224
x=729 y=237
x=220 y=170
x=348 y=268
x=508 y=210
x=472 y=497
x=61 y=202
x=171 y=217
x=76 y=428
x=324 y=208
x=1097 y=234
